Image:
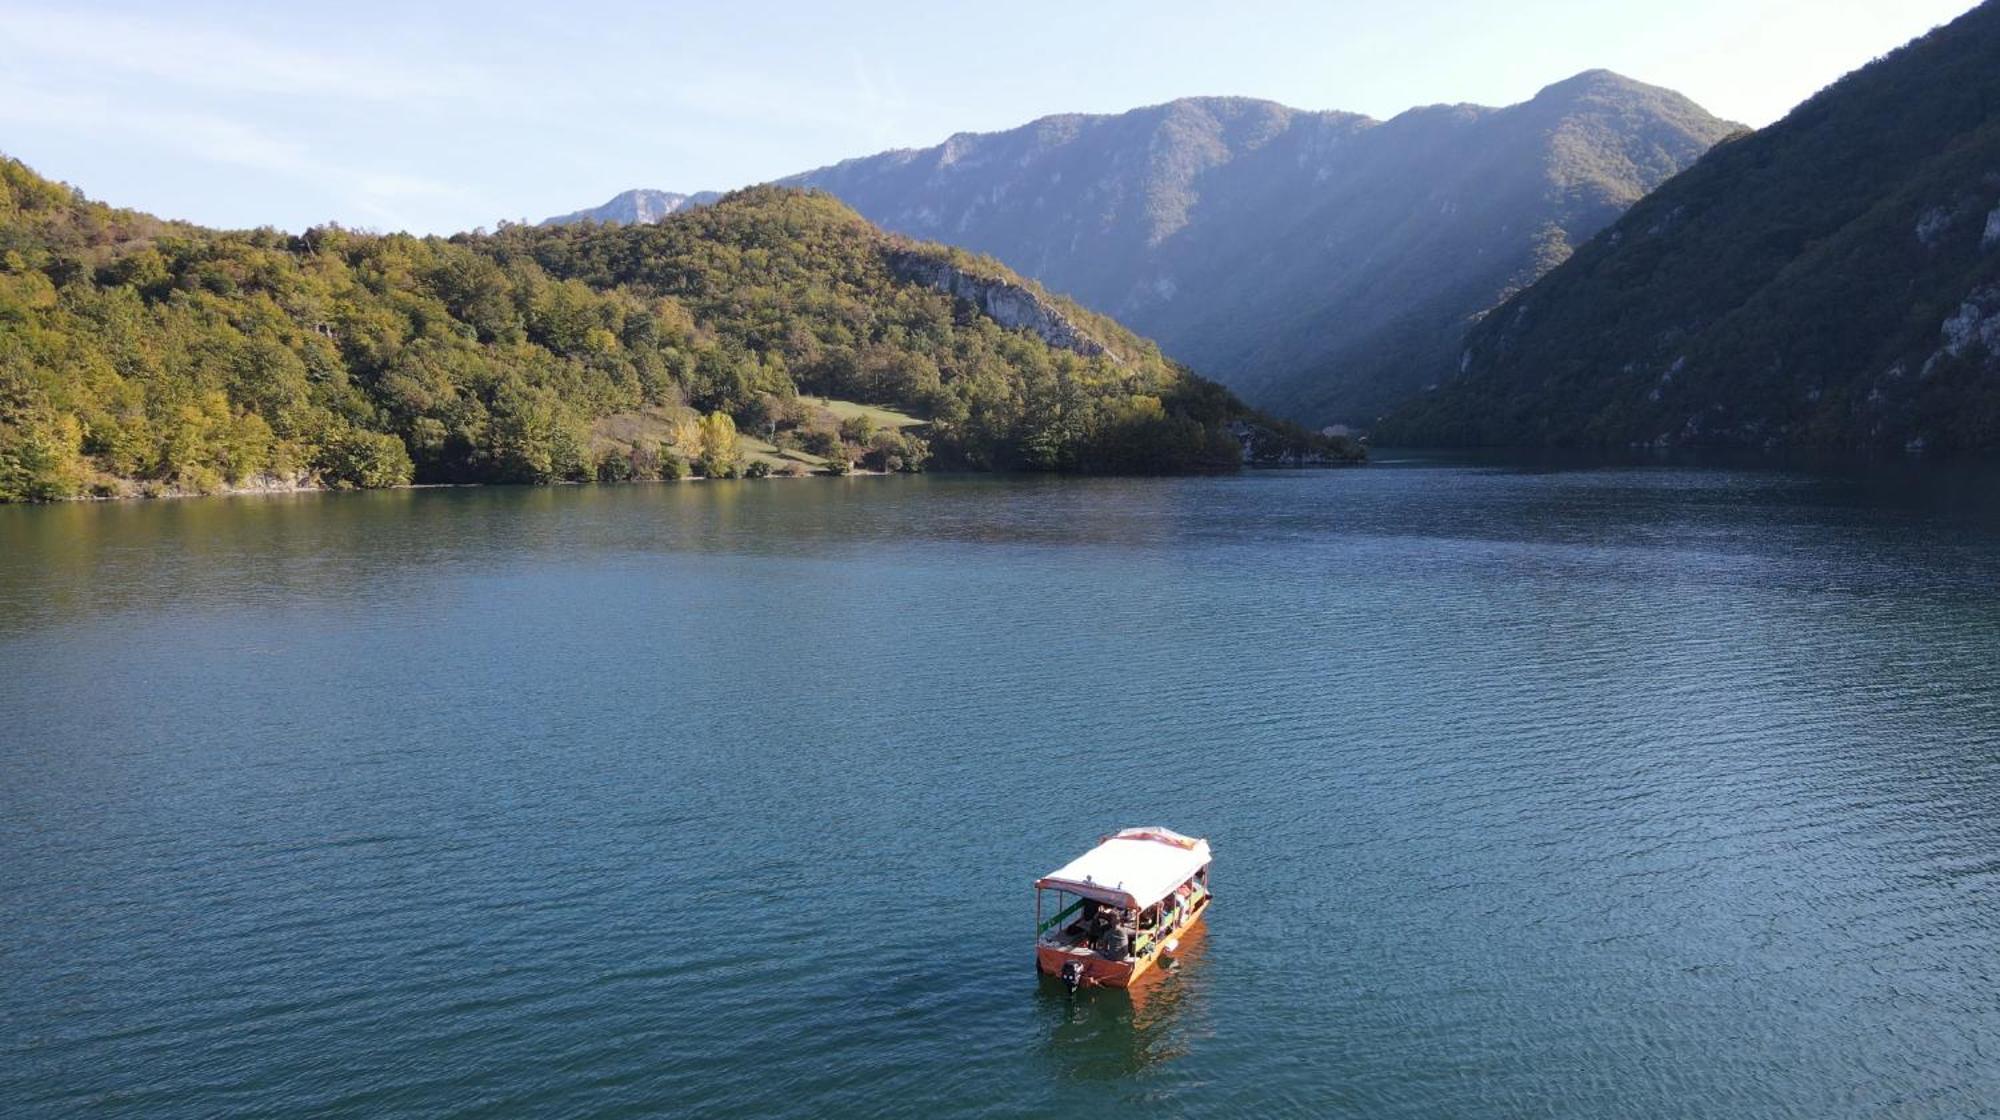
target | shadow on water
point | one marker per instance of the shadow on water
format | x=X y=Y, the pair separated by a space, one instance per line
x=1104 y=1034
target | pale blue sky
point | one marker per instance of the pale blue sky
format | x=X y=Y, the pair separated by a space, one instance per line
x=443 y=117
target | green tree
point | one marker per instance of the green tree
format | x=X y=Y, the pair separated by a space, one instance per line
x=673 y=465
x=38 y=459
x=858 y=429
x=364 y=460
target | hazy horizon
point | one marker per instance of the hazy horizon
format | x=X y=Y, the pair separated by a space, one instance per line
x=437 y=121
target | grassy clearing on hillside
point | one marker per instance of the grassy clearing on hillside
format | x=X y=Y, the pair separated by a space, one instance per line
x=676 y=429
x=622 y=431
x=756 y=450
x=629 y=429
x=882 y=417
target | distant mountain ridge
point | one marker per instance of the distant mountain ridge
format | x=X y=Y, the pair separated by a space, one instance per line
x=1832 y=280
x=1322 y=263
x=636 y=207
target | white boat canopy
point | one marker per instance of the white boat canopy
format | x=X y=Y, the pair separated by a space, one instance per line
x=1135 y=867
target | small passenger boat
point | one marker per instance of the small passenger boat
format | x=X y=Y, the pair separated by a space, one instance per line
x=1135 y=895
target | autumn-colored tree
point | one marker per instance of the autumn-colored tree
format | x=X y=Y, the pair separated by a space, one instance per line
x=721 y=451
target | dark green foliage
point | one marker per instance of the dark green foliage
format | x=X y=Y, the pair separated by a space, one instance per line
x=857 y=429
x=135 y=352
x=757 y=469
x=365 y=460
x=819 y=441
x=616 y=466
x=896 y=451
x=1823 y=282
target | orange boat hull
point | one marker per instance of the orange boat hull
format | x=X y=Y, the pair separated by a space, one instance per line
x=1101 y=973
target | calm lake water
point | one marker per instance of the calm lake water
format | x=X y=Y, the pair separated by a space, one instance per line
x=1535 y=791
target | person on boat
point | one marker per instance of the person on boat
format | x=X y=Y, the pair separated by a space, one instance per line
x=1096 y=918
x=1116 y=942
x=1086 y=917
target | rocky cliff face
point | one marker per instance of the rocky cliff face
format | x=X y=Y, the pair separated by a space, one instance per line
x=1005 y=302
x=635 y=208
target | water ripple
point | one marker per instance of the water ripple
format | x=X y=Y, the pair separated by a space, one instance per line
x=1636 y=791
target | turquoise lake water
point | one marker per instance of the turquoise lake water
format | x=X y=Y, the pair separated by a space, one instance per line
x=1535 y=790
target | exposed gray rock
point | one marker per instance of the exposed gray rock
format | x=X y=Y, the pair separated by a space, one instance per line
x=1932 y=224
x=1975 y=323
x=636 y=208
x=1002 y=300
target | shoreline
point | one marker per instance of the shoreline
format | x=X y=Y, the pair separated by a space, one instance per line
x=280 y=488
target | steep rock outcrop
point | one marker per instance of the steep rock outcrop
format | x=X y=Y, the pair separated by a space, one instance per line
x=1005 y=302
x=638 y=207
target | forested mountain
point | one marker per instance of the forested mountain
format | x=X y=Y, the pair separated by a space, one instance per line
x=636 y=208
x=1321 y=263
x=1832 y=280
x=142 y=354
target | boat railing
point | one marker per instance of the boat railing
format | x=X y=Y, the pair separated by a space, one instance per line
x=1146 y=940
x=1060 y=917
x=1142 y=942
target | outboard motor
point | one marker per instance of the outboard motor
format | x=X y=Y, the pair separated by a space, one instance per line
x=1072 y=975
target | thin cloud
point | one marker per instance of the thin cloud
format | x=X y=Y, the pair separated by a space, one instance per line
x=213 y=138
x=775 y=101
x=213 y=59
x=230 y=143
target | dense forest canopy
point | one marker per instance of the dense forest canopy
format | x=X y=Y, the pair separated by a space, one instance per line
x=142 y=354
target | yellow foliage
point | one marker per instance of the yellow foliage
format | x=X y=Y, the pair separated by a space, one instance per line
x=684 y=432
x=720 y=450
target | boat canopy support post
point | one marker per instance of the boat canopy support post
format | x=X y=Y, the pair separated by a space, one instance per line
x=1064 y=909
